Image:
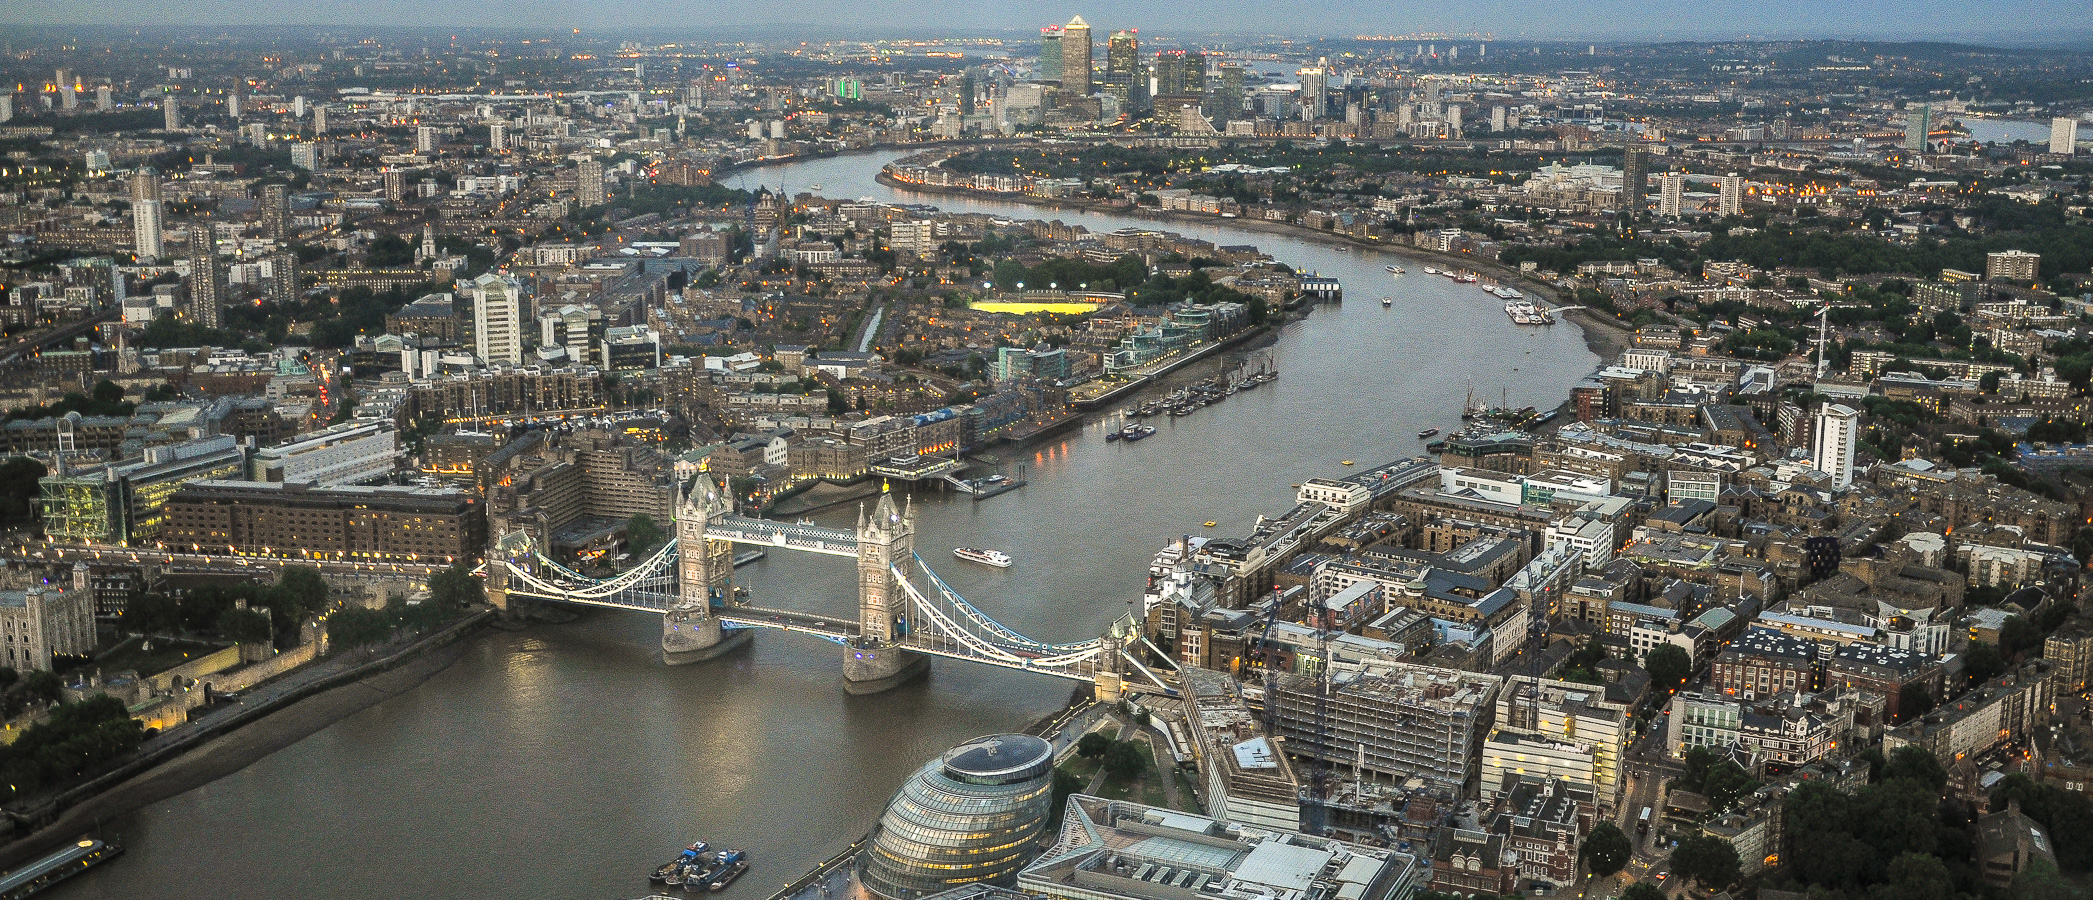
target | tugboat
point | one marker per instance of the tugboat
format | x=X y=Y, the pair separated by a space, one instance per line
x=996 y=558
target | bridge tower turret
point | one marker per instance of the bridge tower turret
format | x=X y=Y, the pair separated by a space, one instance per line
x=876 y=659
x=691 y=630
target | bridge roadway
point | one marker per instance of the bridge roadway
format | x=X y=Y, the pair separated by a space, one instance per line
x=112 y=554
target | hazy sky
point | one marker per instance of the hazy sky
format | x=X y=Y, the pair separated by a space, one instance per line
x=1990 y=21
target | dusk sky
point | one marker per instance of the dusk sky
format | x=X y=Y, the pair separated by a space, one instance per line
x=1990 y=21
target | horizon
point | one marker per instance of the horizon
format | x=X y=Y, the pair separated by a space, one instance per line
x=2040 y=23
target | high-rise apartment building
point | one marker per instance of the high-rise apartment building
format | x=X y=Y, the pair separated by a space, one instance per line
x=206 y=280
x=1918 y=126
x=276 y=211
x=588 y=181
x=170 y=112
x=68 y=90
x=146 y=223
x=1671 y=195
x=1315 y=92
x=1732 y=199
x=1076 y=70
x=232 y=106
x=306 y=155
x=319 y=120
x=1050 y=54
x=424 y=139
x=497 y=319
x=1838 y=430
x=2018 y=265
x=104 y=98
x=1635 y=179
x=2063 y=135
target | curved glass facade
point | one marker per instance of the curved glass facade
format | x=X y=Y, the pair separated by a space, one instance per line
x=971 y=816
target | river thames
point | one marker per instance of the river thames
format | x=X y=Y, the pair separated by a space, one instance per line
x=566 y=761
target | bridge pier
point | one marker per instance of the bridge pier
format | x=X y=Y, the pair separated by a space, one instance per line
x=695 y=635
x=870 y=667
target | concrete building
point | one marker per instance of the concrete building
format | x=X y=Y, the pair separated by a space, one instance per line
x=146 y=225
x=497 y=318
x=1392 y=721
x=41 y=621
x=2063 y=135
x=1556 y=729
x=2016 y=265
x=1115 y=850
x=1247 y=780
x=349 y=453
x=1671 y=194
x=206 y=279
x=1837 y=433
x=1731 y=201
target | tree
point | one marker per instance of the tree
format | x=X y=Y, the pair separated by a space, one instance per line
x=246 y=626
x=18 y=490
x=1643 y=890
x=455 y=587
x=43 y=685
x=8 y=677
x=152 y=613
x=1065 y=783
x=1605 y=850
x=641 y=534
x=358 y=626
x=1093 y=745
x=1124 y=761
x=1981 y=662
x=1668 y=666
x=1710 y=861
x=1916 y=876
x=1915 y=764
x=1913 y=700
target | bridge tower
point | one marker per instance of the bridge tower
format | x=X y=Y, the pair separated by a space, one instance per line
x=875 y=660
x=691 y=630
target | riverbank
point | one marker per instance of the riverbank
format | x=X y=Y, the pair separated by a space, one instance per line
x=276 y=716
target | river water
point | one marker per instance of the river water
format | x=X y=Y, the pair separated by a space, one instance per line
x=566 y=761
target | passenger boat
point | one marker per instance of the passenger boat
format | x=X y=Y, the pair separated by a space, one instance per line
x=1387 y=302
x=1428 y=270
x=1395 y=270
x=1427 y=433
x=996 y=558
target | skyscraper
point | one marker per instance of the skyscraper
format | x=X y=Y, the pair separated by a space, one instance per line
x=1050 y=54
x=145 y=229
x=966 y=93
x=206 y=281
x=2063 y=135
x=1918 y=125
x=276 y=210
x=170 y=112
x=497 y=319
x=1732 y=201
x=1635 y=180
x=68 y=91
x=1075 y=58
x=1838 y=429
x=1315 y=92
x=1228 y=98
x=1123 y=76
x=1671 y=195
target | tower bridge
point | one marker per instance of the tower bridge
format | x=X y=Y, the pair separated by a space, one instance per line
x=906 y=613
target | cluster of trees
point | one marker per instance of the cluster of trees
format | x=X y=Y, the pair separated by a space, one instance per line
x=450 y=591
x=1894 y=838
x=106 y=399
x=75 y=738
x=1122 y=760
x=1582 y=664
x=18 y=491
x=1717 y=777
x=272 y=612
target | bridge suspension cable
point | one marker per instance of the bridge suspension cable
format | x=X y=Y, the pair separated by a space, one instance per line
x=975 y=615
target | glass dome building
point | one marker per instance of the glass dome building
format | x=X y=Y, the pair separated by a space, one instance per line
x=972 y=816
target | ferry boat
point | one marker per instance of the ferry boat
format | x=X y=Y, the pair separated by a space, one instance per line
x=1427 y=433
x=996 y=558
x=1387 y=302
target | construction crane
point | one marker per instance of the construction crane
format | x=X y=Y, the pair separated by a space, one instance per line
x=1316 y=814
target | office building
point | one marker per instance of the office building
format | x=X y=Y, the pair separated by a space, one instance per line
x=1784 y=731
x=972 y=816
x=1391 y=721
x=1076 y=71
x=1918 y=126
x=588 y=181
x=349 y=453
x=1635 y=179
x=1671 y=195
x=206 y=279
x=1765 y=663
x=1118 y=850
x=1050 y=54
x=1732 y=199
x=497 y=319
x=1837 y=431
x=1123 y=78
x=1041 y=362
x=1247 y=780
x=295 y=520
x=41 y=621
x=125 y=503
x=2014 y=265
x=1564 y=730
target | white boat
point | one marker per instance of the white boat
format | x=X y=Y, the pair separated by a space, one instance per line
x=996 y=558
x=1387 y=301
x=1428 y=270
x=1395 y=270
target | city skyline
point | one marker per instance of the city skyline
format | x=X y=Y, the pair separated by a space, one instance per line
x=2045 y=22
